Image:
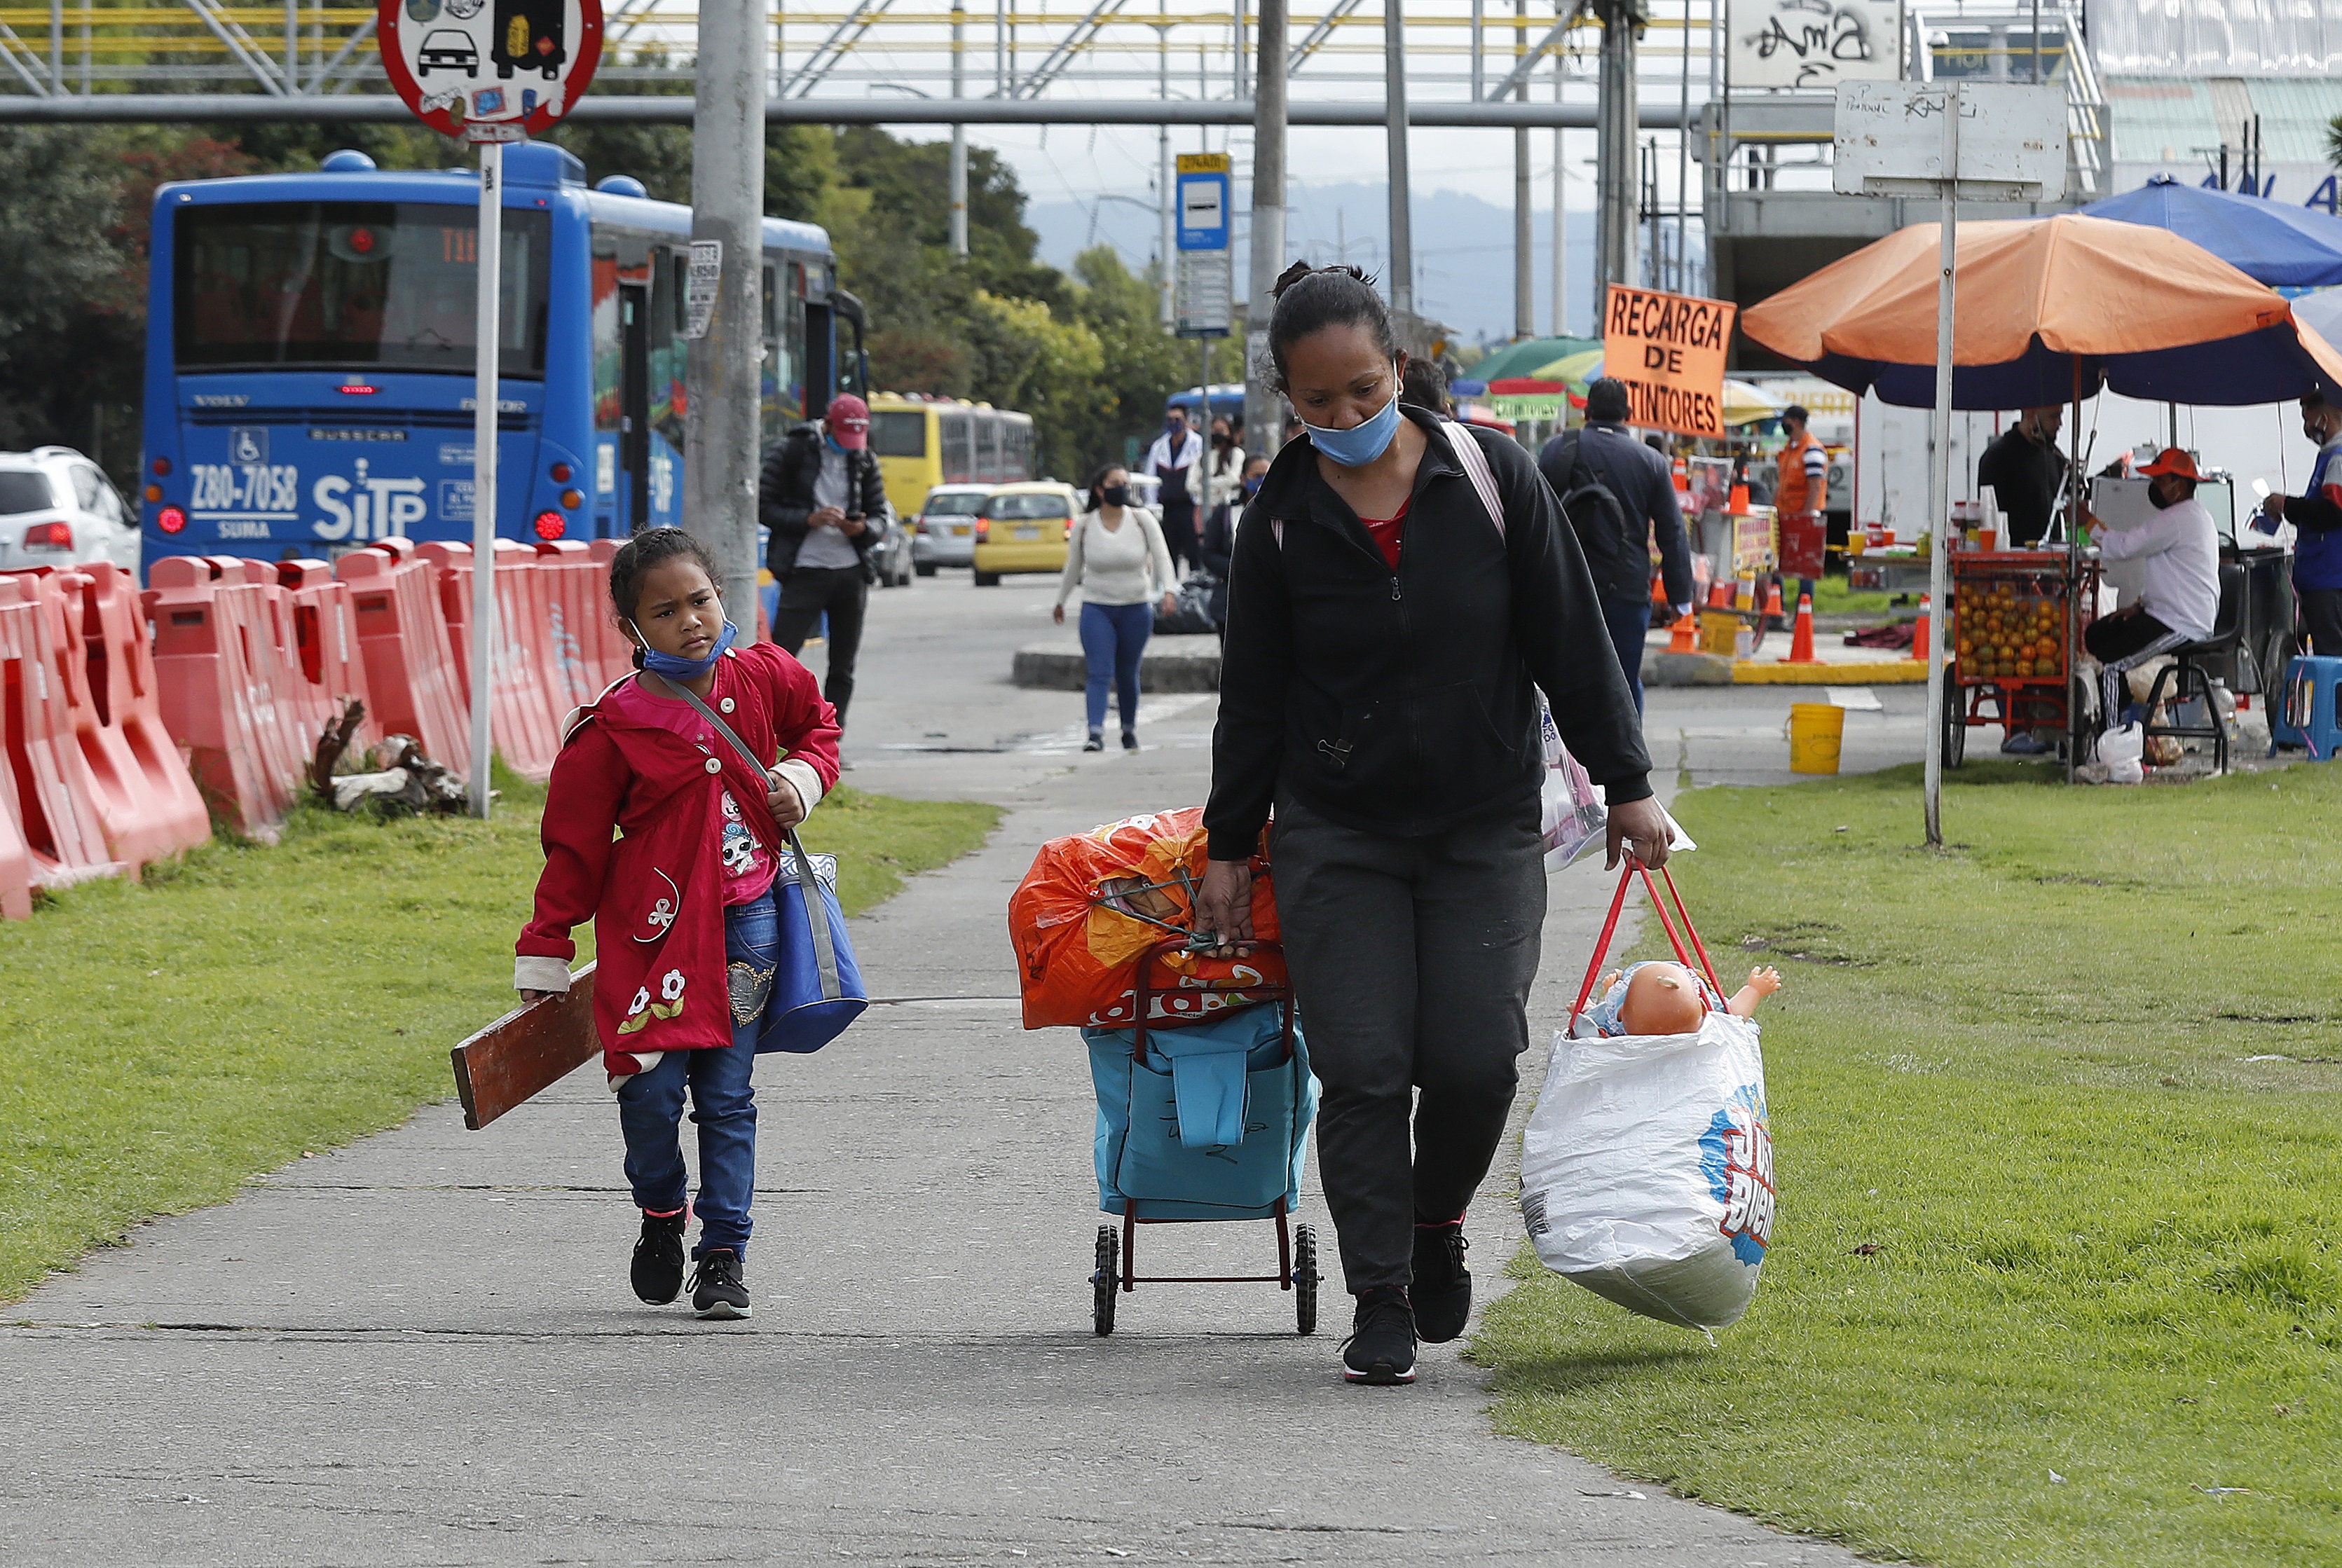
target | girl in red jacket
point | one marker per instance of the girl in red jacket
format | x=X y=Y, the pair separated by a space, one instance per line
x=682 y=897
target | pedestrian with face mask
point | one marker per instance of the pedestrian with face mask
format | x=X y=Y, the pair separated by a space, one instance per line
x=824 y=505
x=1176 y=459
x=1220 y=537
x=1388 y=635
x=1116 y=559
x=2317 y=518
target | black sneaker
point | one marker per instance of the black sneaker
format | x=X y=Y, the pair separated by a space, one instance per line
x=658 y=1274
x=717 y=1290
x=1130 y=740
x=1381 y=1346
x=1441 y=1293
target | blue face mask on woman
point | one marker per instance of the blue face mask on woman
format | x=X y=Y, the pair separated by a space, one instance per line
x=1362 y=442
x=676 y=667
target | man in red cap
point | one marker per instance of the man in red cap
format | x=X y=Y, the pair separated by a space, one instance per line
x=825 y=504
x=2178 y=552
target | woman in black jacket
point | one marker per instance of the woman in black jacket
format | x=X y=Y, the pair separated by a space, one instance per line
x=1220 y=537
x=1387 y=638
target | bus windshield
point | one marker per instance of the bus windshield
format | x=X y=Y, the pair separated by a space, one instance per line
x=342 y=285
x=899 y=432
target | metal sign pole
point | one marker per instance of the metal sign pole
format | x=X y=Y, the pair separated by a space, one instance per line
x=1940 y=467
x=490 y=249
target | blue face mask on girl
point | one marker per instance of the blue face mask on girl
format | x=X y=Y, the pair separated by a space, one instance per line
x=676 y=667
x=1362 y=442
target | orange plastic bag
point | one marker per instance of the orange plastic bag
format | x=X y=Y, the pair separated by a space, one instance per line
x=1094 y=904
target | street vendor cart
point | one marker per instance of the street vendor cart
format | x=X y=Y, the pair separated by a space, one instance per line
x=2016 y=636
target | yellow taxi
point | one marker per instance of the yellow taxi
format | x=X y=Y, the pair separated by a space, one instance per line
x=1022 y=527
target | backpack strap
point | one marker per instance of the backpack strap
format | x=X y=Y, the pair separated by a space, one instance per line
x=1475 y=469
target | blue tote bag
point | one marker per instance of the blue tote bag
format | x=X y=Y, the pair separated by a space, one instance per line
x=817 y=987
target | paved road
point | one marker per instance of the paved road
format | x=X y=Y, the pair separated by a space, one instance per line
x=421 y=1349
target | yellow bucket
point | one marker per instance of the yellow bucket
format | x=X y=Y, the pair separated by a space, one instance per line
x=1815 y=731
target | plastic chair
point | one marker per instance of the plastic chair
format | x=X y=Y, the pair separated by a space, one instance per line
x=2308 y=716
x=2186 y=679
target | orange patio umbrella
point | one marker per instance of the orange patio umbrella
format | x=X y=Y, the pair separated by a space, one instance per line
x=2047 y=310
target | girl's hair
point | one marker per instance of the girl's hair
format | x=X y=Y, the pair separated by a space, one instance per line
x=637 y=555
x=1091 y=499
x=1311 y=299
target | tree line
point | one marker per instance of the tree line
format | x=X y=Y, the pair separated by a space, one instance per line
x=1084 y=352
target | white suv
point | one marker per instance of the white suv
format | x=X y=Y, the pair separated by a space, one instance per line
x=57 y=509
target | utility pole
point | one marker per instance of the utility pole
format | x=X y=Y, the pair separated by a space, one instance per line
x=1615 y=155
x=1163 y=182
x=1263 y=425
x=1402 y=234
x=959 y=136
x=1524 y=247
x=720 y=428
x=1560 y=204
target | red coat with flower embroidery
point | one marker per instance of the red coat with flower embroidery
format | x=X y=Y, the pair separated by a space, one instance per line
x=655 y=892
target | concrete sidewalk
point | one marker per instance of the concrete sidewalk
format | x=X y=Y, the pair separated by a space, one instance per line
x=422 y=1349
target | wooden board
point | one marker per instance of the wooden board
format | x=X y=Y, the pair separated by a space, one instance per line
x=527 y=1051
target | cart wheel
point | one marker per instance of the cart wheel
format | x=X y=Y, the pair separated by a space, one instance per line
x=1305 y=1279
x=1106 y=1280
x=1956 y=720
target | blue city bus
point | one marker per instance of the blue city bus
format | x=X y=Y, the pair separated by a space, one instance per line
x=310 y=344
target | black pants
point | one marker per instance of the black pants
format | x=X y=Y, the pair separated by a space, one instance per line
x=1411 y=962
x=841 y=592
x=1179 y=534
x=2321 y=618
x=2121 y=644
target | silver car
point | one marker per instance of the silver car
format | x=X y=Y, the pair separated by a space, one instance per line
x=944 y=533
x=57 y=509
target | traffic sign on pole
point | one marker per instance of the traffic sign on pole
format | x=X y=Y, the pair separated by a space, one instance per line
x=490 y=72
x=1204 y=283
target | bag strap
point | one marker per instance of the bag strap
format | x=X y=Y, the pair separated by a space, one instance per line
x=1626 y=874
x=1475 y=469
x=825 y=941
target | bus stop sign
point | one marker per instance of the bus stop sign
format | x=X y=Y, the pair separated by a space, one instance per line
x=490 y=70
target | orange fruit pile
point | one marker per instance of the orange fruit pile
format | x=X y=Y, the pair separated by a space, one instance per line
x=2003 y=636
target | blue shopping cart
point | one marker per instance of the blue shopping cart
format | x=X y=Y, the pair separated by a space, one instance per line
x=1207 y=1121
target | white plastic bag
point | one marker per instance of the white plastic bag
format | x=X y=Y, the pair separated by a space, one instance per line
x=1647 y=1174
x=1570 y=812
x=2120 y=751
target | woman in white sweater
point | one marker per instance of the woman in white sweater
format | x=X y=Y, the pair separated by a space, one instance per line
x=1117 y=557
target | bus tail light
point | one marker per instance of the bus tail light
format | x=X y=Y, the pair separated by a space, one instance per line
x=551 y=525
x=560 y=472
x=171 y=520
x=572 y=499
x=162 y=467
x=49 y=537
x=153 y=493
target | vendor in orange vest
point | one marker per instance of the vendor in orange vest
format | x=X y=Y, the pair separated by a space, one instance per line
x=1803 y=486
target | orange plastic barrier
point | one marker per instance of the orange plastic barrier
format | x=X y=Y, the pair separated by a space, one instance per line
x=1093 y=904
x=403 y=633
x=147 y=802
x=618 y=652
x=578 y=638
x=323 y=664
x=520 y=704
x=215 y=668
x=52 y=795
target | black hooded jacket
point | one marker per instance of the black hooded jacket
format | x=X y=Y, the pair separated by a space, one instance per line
x=784 y=496
x=1406 y=703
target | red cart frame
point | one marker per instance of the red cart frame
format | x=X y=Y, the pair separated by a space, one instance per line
x=2020 y=702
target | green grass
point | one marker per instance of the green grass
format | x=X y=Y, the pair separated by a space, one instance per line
x=2039 y=1210
x=1832 y=595
x=244 y=1005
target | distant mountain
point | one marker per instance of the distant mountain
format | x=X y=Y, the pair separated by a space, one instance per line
x=1463 y=247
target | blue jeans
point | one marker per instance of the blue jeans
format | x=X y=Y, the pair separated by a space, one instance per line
x=723 y=1099
x=1628 y=624
x=1113 y=636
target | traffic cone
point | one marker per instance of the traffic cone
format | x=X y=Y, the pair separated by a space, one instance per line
x=1774 y=611
x=1920 y=634
x=1720 y=595
x=1801 y=640
x=1684 y=638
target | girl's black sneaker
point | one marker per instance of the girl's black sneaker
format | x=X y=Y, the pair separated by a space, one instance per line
x=717 y=1290
x=1381 y=1346
x=1442 y=1291
x=1096 y=743
x=658 y=1274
